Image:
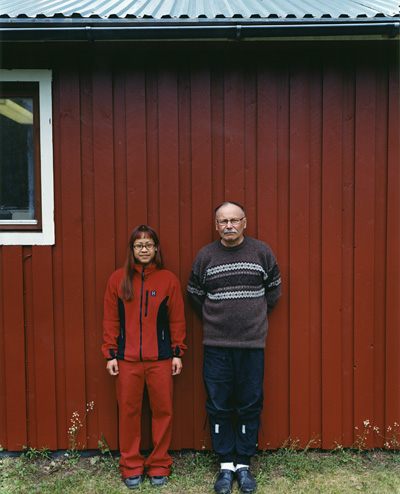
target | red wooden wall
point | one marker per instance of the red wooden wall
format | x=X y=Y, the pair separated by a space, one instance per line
x=307 y=138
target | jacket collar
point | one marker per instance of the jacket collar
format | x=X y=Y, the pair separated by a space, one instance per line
x=147 y=269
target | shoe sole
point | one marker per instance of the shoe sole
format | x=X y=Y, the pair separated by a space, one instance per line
x=136 y=486
x=155 y=484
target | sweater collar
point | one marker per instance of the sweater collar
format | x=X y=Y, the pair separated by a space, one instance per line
x=235 y=247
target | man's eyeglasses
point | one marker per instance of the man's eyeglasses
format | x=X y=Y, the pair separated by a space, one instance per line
x=233 y=221
x=139 y=247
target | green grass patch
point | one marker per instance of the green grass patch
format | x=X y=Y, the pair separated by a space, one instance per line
x=280 y=472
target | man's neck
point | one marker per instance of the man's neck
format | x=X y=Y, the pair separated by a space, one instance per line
x=232 y=244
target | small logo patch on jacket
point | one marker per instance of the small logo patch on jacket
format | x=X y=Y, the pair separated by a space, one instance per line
x=153 y=294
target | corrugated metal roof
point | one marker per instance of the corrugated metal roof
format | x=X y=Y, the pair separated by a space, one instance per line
x=238 y=20
x=195 y=9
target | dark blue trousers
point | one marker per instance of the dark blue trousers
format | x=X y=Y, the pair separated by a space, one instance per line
x=233 y=379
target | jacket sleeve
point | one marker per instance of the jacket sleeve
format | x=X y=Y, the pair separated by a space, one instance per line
x=195 y=289
x=176 y=319
x=111 y=321
x=273 y=284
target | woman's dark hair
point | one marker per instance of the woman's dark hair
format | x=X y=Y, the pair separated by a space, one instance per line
x=139 y=232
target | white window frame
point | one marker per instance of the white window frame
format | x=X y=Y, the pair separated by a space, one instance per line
x=47 y=235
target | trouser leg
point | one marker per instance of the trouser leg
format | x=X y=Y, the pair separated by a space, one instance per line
x=218 y=380
x=159 y=383
x=129 y=387
x=249 y=372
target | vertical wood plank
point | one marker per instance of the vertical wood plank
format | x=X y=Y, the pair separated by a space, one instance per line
x=267 y=147
x=152 y=152
x=3 y=391
x=14 y=346
x=347 y=267
x=71 y=243
x=201 y=224
x=168 y=166
x=299 y=261
x=217 y=140
x=381 y=169
x=332 y=258
x=267 y=230
x=250 y=145
x=136 y=148
x=392 y=383
x=104 y=236
x=58 y=294
x=43 y=325
x=315 y=208
x=185 y=245
x=92 y=328
x=234 y=135
x=122 y=191
x=364 y=248
x=280 y=318
x=30 y=375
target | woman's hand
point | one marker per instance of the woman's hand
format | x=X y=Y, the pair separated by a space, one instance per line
x=112 y=367
x=176 y=366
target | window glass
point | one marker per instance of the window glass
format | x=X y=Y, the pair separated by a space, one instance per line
x=17 y=168
x=20 y=205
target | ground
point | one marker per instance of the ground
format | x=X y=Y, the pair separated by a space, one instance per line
x=279 y=472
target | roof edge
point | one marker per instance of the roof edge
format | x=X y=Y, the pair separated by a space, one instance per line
x=83 y=29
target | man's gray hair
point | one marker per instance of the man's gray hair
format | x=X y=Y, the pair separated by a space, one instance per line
x=229 y=202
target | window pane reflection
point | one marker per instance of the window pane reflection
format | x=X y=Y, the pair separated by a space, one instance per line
x=17 y=184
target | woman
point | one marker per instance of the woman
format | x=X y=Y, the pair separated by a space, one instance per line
x=144 y=331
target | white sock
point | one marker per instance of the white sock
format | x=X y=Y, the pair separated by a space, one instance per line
x=241 y=466
x=228 y=466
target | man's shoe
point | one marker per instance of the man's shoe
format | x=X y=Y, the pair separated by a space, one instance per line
x=247 y=484
x=223 y=484
x=134 y=482
x=158 y=480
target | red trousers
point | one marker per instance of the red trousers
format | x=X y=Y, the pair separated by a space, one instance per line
x=130 y=385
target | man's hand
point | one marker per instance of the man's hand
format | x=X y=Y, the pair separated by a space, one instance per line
x=112 y=367
x=176 y=366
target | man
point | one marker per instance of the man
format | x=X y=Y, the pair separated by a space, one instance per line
x=234 y=285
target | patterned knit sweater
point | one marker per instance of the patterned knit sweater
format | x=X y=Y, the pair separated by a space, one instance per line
x=233 y=289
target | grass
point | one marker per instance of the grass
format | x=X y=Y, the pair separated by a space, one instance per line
x=279 y=472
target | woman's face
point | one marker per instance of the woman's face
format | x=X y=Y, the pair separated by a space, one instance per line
x=144 y=250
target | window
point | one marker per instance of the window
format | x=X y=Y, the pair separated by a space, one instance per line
x=19 y=157
x=26 y=158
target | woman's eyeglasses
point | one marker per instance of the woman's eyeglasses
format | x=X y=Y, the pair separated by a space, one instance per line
x=140 y=247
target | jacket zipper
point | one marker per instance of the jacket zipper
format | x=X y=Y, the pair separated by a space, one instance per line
x=141 y=306
x=147 y=303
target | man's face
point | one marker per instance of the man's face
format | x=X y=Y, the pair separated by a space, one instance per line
x=231 y=234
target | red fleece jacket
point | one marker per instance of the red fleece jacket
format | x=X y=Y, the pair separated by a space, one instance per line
x=149 y=327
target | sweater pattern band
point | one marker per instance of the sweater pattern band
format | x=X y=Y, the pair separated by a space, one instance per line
x=236 y=295
x=239 y=266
